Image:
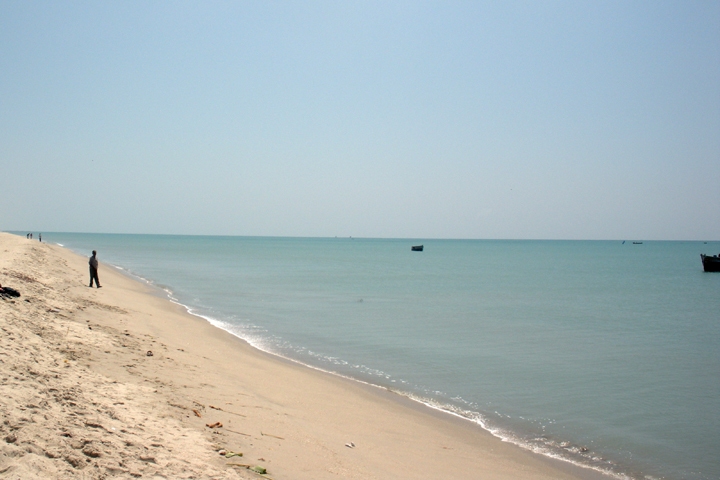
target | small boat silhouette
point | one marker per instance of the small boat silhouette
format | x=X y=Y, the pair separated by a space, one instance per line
x=417 y=248
x=710 y=263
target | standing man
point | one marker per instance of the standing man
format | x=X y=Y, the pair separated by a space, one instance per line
x=93 y=270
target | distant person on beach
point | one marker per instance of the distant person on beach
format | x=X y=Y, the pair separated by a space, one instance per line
x=40 y=237
x=93 y=270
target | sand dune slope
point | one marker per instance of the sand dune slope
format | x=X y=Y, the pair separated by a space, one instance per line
x=61 y=419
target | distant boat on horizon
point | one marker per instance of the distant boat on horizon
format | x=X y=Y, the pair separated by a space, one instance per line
x=417 y=248
x=637 y=243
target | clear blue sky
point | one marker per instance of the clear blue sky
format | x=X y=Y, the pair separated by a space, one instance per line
x=557 y=119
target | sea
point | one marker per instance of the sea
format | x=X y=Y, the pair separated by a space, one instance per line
x=605 y=354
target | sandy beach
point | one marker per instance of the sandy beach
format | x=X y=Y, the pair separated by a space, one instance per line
x=121 y=382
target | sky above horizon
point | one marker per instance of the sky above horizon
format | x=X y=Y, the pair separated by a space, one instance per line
x=422 y=119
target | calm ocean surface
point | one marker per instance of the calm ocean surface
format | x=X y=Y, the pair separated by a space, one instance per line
x=602 y=353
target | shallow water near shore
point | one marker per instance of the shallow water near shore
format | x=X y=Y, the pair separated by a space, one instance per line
x=598 y=352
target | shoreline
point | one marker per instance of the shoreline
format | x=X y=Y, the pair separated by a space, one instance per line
x=410 y=400
x=407 y=398
x=290 y=418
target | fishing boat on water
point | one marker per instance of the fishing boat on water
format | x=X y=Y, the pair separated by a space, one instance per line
x=417 y=248
x=711 y=263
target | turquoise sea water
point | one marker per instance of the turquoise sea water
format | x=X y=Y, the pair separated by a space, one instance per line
x=601 y=353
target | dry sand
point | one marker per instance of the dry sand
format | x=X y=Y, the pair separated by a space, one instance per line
x=81 y=397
